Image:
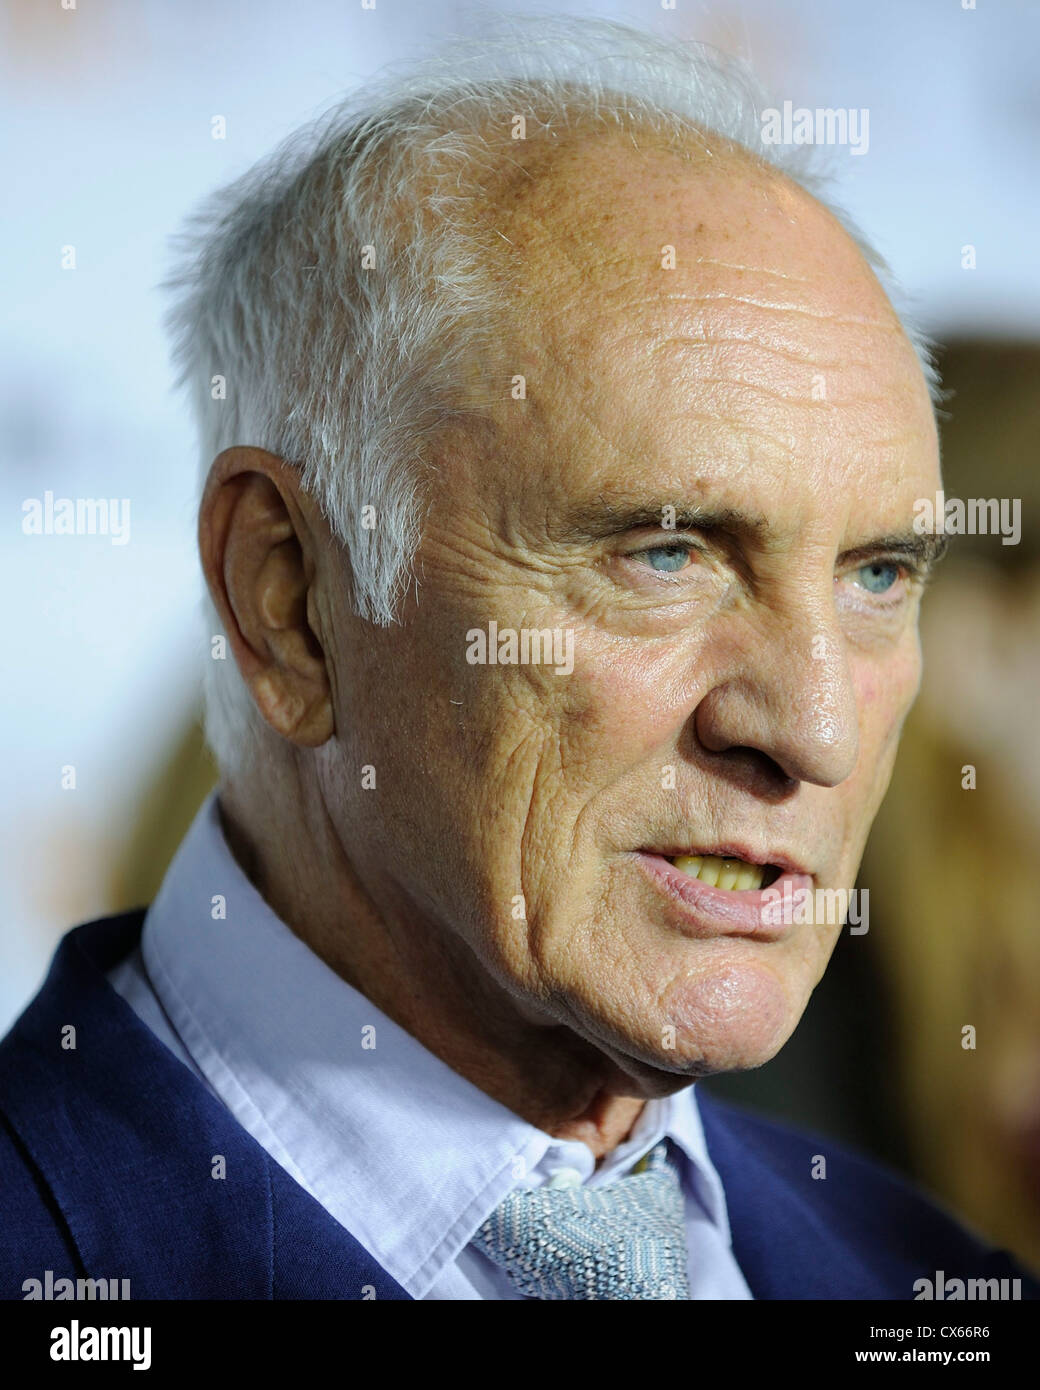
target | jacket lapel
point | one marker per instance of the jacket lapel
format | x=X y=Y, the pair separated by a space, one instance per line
x=783 y=1242
x=156 y=1181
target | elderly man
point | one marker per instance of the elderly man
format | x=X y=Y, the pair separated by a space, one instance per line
x=561 y=450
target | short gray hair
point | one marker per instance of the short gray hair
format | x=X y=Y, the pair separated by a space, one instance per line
x=326 y=302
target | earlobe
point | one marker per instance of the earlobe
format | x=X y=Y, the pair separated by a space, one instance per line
x=286 y=709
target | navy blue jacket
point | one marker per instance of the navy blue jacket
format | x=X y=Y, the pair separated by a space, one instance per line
x=107 y=1151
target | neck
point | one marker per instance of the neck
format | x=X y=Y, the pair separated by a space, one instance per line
x=426 y=979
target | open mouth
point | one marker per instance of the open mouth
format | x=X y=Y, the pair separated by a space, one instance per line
x=736 y=875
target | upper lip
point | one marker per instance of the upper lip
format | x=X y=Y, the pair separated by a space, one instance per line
x=731 y=850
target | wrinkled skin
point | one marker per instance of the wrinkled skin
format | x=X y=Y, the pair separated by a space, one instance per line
x=770 y=667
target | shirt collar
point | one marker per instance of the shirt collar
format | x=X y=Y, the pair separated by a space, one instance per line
x=400 y=1149
x=676 y=1117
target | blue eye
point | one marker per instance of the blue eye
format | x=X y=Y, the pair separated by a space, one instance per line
x=666 y=559
x=878 y=577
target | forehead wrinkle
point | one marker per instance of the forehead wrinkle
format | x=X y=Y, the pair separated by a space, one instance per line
x=792 y=388
x=799 y=359
x=887 y=325
x=791 y=431
x=834 y=345
x=576 y=260
x=826 y=315
x=720 y=325
x=738 y=360
x=786 y=428
x=757 y=270
x=591 y=260
x=744 y=433
x=795 y=397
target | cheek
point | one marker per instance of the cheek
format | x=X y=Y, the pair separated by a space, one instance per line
x=631 y=698
x=884 y=695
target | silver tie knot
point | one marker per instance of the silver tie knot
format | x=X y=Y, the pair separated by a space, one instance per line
x=623 y=1241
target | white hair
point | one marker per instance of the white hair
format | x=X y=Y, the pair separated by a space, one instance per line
x=326 y=302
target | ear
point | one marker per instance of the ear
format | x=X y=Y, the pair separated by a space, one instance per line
x=262 y=541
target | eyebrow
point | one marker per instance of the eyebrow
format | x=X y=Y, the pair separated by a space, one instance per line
x=604 y=517
x=607 y=517
x=925 y=550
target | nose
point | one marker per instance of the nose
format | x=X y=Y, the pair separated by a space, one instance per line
x=792 y=700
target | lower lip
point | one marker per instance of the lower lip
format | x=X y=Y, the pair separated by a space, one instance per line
x=709 y=911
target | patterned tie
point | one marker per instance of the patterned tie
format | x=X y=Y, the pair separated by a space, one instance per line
x=623 y=1241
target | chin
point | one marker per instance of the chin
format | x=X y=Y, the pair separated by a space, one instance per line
x=731 y=1018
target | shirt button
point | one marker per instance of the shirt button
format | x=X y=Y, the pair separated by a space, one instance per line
x=565 y=1177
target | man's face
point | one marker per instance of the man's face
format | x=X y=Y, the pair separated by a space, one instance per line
x=739 y=680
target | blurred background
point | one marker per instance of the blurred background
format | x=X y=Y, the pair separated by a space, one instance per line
x=109 y=118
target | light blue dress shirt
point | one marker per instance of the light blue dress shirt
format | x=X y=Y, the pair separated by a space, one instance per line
x=396 y=1146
